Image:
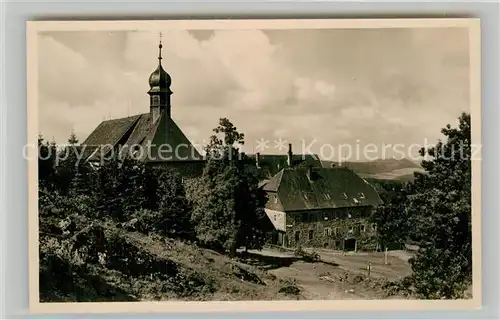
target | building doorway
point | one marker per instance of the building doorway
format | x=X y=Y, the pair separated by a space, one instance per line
x=350 y=244
x=281 y=239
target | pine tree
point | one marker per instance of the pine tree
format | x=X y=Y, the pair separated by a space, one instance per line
x=72 y=140
x=129 y=187
x=174 y=208
x=46 y=163
x=68 y=166
x=77 y=186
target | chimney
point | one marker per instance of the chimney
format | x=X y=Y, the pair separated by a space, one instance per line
x=290 y=154
x=257 y=160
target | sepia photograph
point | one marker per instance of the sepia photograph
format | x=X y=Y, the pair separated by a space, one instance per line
x=272 y=161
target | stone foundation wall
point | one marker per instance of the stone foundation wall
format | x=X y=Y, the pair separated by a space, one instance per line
x=330 y=228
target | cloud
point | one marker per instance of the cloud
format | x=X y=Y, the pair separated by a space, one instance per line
x=335 y=86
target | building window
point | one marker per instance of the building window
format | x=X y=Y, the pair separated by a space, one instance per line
x=374 y=226
x=327 y=196
x=350 y=229
x=156 y=100
x=362 y=228
x=311 y=234
x=345 y=195
x=336 y=231
x=361 y=195
x=327 y=232
x=274 y=217
x=297 y=236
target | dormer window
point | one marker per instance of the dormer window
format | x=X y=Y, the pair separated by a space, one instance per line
x=327 y=196
x=361 y=195
x=135 y=150
x=345 y=195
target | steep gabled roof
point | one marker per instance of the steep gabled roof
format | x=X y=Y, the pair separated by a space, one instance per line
x=327 y=188
x=273 y=183
x=111 y=131
x=139 y=130
x=166 y=132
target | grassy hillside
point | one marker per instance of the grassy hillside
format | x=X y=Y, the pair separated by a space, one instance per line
x=138 y=267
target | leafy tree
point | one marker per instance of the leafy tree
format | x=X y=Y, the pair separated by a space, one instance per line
x=227 y=202
x=391 y=218
x=439 y=203
x=223 y=148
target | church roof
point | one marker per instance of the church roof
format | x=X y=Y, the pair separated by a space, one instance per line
x=321 y=188
x=111 y=131
x=159 y=141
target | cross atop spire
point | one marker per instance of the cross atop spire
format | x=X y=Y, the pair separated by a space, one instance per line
x=159 y=47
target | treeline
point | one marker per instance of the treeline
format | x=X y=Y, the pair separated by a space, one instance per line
x=434 y=212
x=221 y=210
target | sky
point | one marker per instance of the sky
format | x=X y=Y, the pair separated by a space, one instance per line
x=316 y=89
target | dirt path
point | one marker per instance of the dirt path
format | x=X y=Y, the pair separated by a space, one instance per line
x=341 y=276
x=395 y=268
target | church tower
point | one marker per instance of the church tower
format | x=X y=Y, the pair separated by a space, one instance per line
x=159 y=90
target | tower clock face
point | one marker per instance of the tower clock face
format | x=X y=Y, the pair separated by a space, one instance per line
x=156 y=100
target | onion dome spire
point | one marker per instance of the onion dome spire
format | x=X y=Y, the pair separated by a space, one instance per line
x=160 y=80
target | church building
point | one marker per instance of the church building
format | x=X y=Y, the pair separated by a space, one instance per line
x=153 y=137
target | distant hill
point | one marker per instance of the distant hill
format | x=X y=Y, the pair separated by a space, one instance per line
x=384 y=169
